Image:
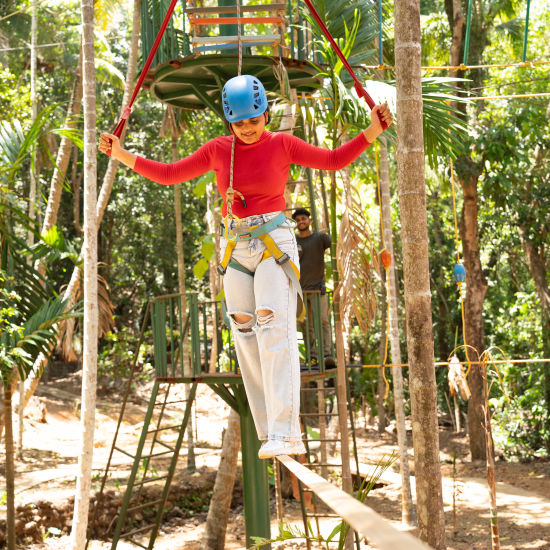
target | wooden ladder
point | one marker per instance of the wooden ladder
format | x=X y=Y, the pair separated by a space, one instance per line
x=203 y=40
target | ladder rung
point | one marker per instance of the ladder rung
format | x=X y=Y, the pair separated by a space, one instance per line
x=166 y=445
x=171 y=402
x=322 y=515
x=124 y=452
x=151 y=480
x=322 y=440
x=137 y=531
x=155 y=455
x=142 y=506
x=267 y=38
x=234 y=20
x=232 y=9
x=164 y=428
x=137 y=543
x=323 y=388
x=321 y=464
x=319 y=414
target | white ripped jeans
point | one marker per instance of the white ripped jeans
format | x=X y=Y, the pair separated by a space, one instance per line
x=267 y=346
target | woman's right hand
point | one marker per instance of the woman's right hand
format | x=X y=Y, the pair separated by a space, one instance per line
x=110 y=145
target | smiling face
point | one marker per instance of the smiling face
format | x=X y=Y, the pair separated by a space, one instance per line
x=250 y=130
x=302 y=222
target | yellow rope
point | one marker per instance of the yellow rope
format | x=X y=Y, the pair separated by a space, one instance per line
x=459 y=284
x=447 y=363
x=542 y=94
x=478 y=98
x=461 y=67
x=388 y=288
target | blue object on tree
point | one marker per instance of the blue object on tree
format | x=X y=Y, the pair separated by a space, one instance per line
x=460 y=273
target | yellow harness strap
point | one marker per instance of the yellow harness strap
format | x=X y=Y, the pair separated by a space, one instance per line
x=292 y=272
x=282 y=259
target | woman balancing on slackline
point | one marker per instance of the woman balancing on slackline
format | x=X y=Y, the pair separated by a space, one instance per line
x=258 y=264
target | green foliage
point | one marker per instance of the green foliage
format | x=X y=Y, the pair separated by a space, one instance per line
x=520 y=426
x=117 y=355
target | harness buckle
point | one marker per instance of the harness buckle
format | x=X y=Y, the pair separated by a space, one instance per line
x=221 y=270
x=283 y=259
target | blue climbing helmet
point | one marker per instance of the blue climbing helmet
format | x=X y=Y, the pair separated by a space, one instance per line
x=243 y=97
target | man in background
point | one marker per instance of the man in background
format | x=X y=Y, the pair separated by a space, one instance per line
x=311 y=250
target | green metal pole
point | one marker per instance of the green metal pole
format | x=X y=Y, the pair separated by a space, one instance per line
x=255 y=481
x=229 y=30
x=526 y=32
x=311 y=191
x=467 y=38
x=195 y=334
x=291 y=28
x=317 y=327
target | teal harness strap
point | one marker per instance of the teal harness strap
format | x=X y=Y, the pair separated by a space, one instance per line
x=236 y=265
x=261 y=229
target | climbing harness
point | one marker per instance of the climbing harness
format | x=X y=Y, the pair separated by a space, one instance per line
x=243 y=232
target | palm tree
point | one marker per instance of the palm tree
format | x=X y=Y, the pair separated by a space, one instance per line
x=73 y=287
x=410 y=156
x=29 y=307
x=89 y=254
x=27 y=330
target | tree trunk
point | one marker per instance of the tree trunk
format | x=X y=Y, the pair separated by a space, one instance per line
x=220 y=504
x=213 y=219
x=537 y=267
x=32 y=380
x=89 y=253
x=34 y=181
x=10 y=469
x=408 y=514
x=76 y=182
x=476 y=287
x=64 y=152
x=191 y=465
x=412 y=198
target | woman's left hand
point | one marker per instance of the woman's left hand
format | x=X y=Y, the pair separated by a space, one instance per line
x=380 y=113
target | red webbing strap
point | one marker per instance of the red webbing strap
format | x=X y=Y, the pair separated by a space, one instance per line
x=361 y=92
x=120 y=126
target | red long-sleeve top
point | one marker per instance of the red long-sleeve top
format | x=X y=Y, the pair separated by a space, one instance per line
x=260 y=169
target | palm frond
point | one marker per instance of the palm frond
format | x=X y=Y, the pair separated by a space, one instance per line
x=106 y=321
x=356 y=263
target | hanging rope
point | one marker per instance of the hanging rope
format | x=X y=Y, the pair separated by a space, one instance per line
x=230 y=193
x=120 y=126
x=361 y=92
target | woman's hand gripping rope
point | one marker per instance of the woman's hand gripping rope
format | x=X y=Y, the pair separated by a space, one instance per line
x=229 y=200
x=380 y=116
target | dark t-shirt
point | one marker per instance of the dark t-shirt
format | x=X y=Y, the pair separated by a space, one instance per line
x=312 y=260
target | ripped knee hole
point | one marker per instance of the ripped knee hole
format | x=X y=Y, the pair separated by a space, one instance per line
x=265 y=316
x=243 y=321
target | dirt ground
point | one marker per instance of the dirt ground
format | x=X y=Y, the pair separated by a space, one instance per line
x=45 y=479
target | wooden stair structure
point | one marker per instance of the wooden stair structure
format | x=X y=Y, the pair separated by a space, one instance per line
x=195 y=60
